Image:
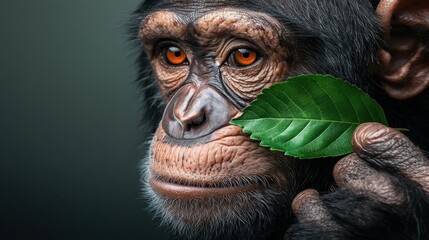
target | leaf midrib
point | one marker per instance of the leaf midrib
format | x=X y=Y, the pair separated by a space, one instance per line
x=302 y=119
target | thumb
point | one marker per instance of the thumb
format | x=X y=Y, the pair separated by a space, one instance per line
x=386 y=146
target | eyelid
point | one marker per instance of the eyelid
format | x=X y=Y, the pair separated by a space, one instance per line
x=232 y=61
x=243 y=44
x=244 y=57
x=163 y=45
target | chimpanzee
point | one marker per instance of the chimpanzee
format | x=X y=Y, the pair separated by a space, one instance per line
x=202 y=62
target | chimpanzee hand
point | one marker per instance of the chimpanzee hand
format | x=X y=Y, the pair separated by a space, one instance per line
x=383 y=190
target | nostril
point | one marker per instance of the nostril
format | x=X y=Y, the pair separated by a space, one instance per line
x=196 y=122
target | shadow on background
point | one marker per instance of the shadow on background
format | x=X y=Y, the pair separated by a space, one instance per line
x=69 y=123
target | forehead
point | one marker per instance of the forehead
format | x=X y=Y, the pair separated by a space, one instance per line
x=206 y=23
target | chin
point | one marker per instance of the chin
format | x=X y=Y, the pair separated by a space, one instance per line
x=261 y=211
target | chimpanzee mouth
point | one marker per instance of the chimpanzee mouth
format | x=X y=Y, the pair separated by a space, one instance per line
x=185 y=189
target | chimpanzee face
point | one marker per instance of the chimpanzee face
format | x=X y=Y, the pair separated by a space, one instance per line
x=209 y=67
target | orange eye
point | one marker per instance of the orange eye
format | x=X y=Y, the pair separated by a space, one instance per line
x=245 y=57
x=175 y=55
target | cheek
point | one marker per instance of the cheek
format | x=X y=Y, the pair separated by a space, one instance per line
x=248 y=83
x=169 y=79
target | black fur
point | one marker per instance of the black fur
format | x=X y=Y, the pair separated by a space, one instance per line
x=341 y=38
x=362 y=218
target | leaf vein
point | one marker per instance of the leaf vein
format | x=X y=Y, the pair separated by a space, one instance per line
x=292 y=101
x=296 y=135
x=314 y=139
x=303 y=119
x=337 y=138
x=332 y=100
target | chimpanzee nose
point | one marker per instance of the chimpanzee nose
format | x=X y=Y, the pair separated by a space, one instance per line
x=196 y=112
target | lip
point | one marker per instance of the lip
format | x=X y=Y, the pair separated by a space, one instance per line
x=182 y=191
x=221 y=133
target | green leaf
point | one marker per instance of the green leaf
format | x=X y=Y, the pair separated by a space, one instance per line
x=309 y=116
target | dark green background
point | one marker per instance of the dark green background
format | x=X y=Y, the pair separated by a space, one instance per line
x=69 y=123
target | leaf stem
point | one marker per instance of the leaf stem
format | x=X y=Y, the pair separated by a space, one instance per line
x=403 y=129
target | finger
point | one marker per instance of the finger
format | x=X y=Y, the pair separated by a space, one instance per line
x=386 y=146
x=308 y=208
x=356 y=175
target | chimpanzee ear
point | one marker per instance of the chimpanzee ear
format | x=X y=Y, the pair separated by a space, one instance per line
x=405 y=56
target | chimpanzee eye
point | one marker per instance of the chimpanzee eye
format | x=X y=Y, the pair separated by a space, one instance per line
x=174 y=55
x=243 y=57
